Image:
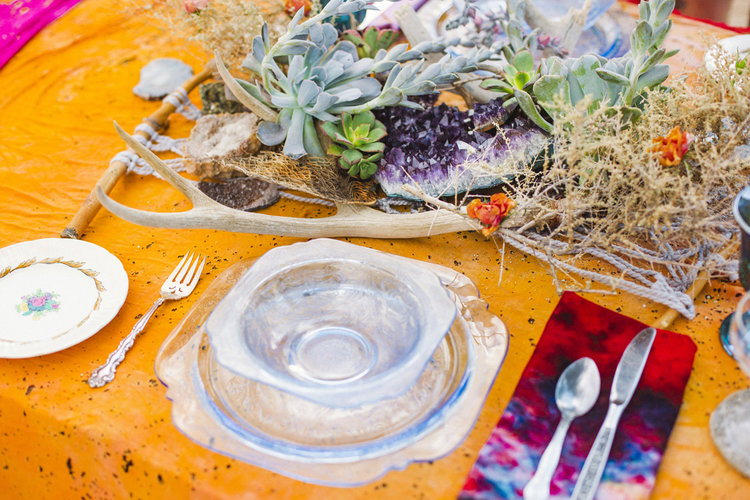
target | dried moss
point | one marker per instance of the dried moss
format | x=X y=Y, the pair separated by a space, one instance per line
x=228 y=26
x=604 y=193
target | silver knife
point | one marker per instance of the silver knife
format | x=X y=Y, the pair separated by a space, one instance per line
x=627 y=376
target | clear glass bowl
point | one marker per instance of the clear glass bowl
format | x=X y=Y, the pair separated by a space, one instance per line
x=274 y=430
x=334 y=323
x=290 y=427
x=602 y=34
x=558 y=8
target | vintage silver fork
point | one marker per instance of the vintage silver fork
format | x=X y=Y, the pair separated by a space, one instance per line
x=180 y=283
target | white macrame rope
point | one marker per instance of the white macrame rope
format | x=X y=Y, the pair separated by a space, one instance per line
x=305 y=199
x=180 y=100
x=138 y=165
x=159 y=143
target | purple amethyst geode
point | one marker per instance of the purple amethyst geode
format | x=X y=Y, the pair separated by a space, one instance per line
x=439 y=149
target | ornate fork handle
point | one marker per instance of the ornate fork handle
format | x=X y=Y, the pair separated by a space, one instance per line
x=106 y=373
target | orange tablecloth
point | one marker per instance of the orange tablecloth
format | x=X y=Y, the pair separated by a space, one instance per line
x=61 y=439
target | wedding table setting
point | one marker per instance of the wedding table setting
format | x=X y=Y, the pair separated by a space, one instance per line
x=373 y=249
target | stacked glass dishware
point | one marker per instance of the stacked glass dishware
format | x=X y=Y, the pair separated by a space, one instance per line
x=333 y=363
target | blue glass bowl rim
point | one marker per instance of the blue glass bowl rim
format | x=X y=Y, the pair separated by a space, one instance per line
x=319 y=454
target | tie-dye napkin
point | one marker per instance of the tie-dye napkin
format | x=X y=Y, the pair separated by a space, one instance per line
x=576 y=329
x=22 y=19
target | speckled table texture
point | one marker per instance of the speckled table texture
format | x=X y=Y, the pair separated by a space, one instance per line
x=61 y=439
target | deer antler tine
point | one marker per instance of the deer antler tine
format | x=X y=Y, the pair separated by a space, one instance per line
x=242 y=95
x=353 y=221
x=183 y=185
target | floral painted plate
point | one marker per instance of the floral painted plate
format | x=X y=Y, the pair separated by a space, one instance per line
x=55 y=293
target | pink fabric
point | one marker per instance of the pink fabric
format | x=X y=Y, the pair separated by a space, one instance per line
x=20 y=20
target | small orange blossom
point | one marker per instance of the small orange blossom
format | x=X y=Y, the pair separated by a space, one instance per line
x=292 y=6
x=673 y=147
x=491 y=213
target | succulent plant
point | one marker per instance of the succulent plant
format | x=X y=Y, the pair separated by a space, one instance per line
x=371 y=41
x=616 y=82
x=325 y=77
x=517 y=75
x=741 y=64
x=357 y=141
x=518 y=78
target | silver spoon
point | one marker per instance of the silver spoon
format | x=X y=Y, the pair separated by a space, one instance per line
x=575 y=394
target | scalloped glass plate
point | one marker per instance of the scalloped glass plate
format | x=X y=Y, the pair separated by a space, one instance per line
x=333 y=446
x=334 y=323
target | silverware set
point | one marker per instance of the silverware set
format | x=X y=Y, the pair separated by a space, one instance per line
x=575 y=394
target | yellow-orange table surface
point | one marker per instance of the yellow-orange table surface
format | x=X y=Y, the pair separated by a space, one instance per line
x=61 y=439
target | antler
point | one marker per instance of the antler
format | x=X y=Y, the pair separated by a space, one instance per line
x=350 y=220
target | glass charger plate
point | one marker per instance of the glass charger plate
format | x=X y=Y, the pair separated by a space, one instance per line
x=222 y=411
x=55 y=293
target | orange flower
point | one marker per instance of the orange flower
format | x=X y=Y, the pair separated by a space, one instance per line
x=490 y=214
x=673 y=147
x=292 y=6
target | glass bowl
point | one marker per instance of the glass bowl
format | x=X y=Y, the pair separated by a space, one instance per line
x=331 y=322
x=266 y=427
x=558 y=8
x=290 y=427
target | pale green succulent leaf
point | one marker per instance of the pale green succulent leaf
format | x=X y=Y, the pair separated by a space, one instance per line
x=367 y=169
x=373 y=147
x=655 y=58
x=330 y=129
x=371 y=36
x=354 y=170
x=364 y=118
x=375 y=157
x=653 y=77
x=640 y=38
x=529 y=108
x=361 y=131
x=376 y=134
x=351 y=155
x=521 y=79
x=335 y=150
x=524 y=61
x=663 y=11
x=612 y=77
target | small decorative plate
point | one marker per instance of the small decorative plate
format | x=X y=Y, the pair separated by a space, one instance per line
x=55 y=293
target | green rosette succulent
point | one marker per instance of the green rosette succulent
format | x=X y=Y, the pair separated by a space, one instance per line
x=370 y=41
x=356 y=139
x=516 y=76
x=517 y=81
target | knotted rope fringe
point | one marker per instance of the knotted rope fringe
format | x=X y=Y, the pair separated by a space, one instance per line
x=180 y=100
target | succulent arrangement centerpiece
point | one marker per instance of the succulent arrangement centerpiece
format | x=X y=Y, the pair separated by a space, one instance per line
x=560 y=156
